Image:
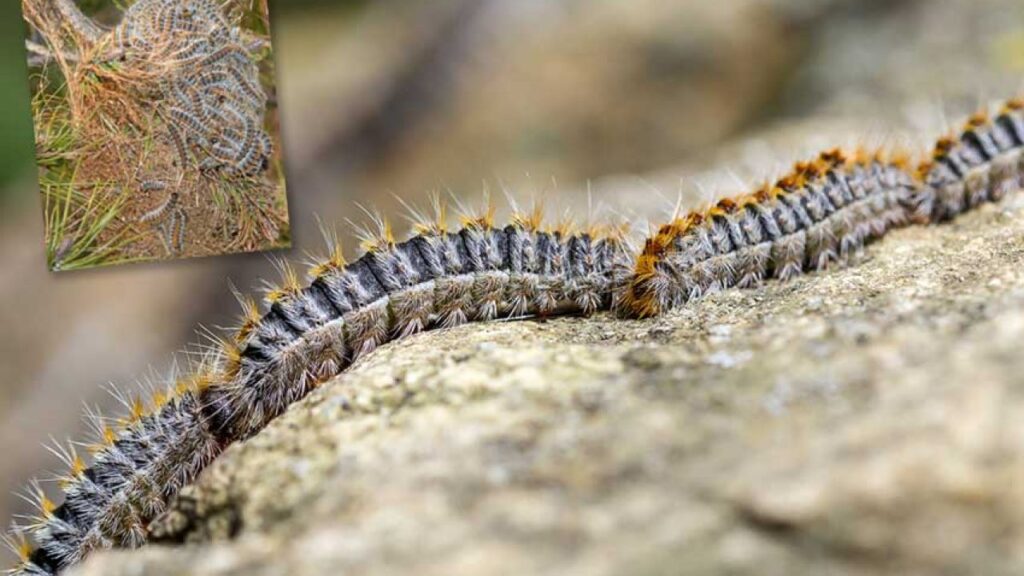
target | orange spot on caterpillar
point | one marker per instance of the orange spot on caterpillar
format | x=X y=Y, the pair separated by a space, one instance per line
x=807 y=171
x=158 y=400
x=202 y=380
x=900 y=158
x=763 y=194
x=923 y=169
x=137 y=411
x=182 y=387
x=335 y=263
x=195 y=383
x=435 y=226
x=566 y=226
x=834 y=158
x=289 y=285
x=942 y=147
x=669 y=232
x=789 y=182
x=107 y=437
x=75 y=471
x=639 y=299
x=382 y=241
x=77 y=466
x=232 y=353
x=250 y=319
x=976 y=120
x=24 y=549
x=862 y=157
x=480 y=221
x=727 y=205
x=46 y=506
x=530 y=221
x=655 y=246
x=608 y=231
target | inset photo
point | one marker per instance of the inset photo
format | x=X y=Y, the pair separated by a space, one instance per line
x=156 y=129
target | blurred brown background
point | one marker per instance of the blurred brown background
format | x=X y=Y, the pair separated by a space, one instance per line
x=398 y=98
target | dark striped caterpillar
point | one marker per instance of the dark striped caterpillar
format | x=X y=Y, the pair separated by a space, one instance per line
x=982 y=164
x=436 y=278
x=175 y=220
x=823 y=213
x=820 y=214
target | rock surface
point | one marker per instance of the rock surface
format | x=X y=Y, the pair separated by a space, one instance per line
x=860 y=421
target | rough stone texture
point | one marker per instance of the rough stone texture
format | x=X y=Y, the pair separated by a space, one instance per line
x=861 y=421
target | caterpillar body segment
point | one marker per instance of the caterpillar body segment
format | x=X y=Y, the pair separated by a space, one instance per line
x=435 y=279
x=982 y=164
x=821 y=214
x=137 y=464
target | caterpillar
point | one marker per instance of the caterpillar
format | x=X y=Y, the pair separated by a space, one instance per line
x=174 y=135
x=818 y=215
x=824 y=211
x=982 y=164
x=251 y=90
x=173 y=231
x=169 y=204
x=436 y=278
x=177 y=228
x=174 y=227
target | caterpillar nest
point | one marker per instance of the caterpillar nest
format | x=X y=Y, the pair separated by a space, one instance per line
x=206 y=79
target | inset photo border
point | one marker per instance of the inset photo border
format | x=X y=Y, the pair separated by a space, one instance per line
x=156 y=129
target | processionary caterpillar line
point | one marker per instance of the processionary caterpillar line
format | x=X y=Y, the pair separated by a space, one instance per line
x=306 y=334
x=820 y=214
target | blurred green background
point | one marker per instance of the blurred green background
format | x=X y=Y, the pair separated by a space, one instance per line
x=16 y=149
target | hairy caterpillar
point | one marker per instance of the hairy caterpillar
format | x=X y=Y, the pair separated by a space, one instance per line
x=173 y=229
x=169 y=204
x=184 y=61
x=819 y=214
x=982 y=164
x=436 y=278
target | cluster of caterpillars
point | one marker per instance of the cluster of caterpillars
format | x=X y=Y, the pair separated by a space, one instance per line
x=209 y=92
x=174 y=219
x=820 y=214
